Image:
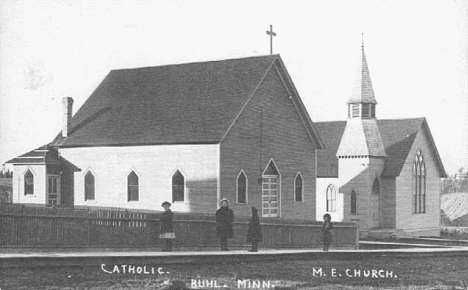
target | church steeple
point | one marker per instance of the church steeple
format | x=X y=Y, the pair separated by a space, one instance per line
x=362 y=102
x=361 y=136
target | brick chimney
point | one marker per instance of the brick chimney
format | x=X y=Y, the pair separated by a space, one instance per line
x=67 y=111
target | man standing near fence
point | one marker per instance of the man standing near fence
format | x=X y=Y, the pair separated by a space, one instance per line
x=224 y=223
x=166 y=230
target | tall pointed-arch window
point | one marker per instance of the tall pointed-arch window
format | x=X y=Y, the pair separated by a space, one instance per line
x=133 y=186
x=419 y=183
x=178 y=187
x=271 y=182
x=241 y=188
x=353 y=202
x=298 y=188
x=89 y=186
x=28 y=183
x=331 y=198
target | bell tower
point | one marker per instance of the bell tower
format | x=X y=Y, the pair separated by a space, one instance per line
x=361 y=154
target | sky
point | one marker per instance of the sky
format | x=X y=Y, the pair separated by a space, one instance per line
x=417 y=53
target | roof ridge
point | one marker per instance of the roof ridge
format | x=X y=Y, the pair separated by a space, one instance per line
x=196 y=62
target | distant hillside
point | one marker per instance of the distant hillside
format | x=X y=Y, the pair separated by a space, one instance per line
x=455 y=208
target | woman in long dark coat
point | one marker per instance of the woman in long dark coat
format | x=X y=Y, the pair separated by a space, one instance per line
x=326 y=231
x=254 y=232
x=224 y=223
x=166 y=230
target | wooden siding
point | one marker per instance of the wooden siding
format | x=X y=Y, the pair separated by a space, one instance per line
x=321 y=198
x=39 y=196
x=269 y=128
x=154 y=166
x=388 y=196
x=359 y=174
x=406 y=219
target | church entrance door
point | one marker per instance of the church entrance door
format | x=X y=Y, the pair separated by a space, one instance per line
x=53 y=190
x=271 y=181
x=375 y=204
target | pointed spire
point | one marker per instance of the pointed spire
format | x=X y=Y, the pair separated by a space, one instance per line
x=362 y=91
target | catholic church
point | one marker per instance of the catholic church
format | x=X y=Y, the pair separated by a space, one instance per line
x=195 y=133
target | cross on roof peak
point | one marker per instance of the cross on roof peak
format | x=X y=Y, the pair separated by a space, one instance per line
x=271 y=34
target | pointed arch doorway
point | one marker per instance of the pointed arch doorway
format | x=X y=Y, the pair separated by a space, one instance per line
x=271 y=184
x=375 y=204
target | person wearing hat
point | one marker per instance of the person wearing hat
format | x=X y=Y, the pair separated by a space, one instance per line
x=224 y=223
x=254 y=231
x=166 y=230
x=326 y=231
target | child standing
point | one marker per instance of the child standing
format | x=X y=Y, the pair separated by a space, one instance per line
x=254 y=232
x=326 y=231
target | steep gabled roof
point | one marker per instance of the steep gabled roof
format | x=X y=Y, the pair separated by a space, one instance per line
x=397 y=135
x=174 y=104
x=363 y=92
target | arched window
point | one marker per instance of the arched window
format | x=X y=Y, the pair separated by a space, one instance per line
x=298 y=188
x=178 y=187
x=353 y=202
x=132 y=186
x=241 y=188
x=331 y=198
x=271 y=181
x=89 y=186
x=376 y=187
x=28 y=183
x=419 y=183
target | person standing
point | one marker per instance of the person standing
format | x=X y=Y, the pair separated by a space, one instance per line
x=326 y=231
x=224 y=223
x=166 y=231
x=254 y=231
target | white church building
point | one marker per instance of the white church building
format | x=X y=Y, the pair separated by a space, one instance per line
x=195 y=133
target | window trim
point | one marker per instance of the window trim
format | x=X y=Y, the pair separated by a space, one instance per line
x=94 y=185
x=242 y=172
x=29 y=169
x=172 y=186
x=128 y=192
x=333 y=200
x=353 y=204
x=419 y=183
x=302 y=188
x=278 y=186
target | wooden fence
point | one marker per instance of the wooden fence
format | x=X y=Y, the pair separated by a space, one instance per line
x=24 y=226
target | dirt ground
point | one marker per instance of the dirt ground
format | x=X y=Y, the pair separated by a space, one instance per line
x=382 y=273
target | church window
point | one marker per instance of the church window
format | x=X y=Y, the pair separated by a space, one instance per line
x=133 y=186
x=331 y=198
x=419 y=183
x=270 y=190
x=89 y=186
x=178 y=187
x=298 y=188
x=365 y=110
x=372 y=110
x=28 y=182
x=355 y=110
x=353 y=202
x=241 y=188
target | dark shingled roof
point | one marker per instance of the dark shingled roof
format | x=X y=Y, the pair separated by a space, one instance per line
x=42 y=155
x=397 y=135
x=173 y=104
